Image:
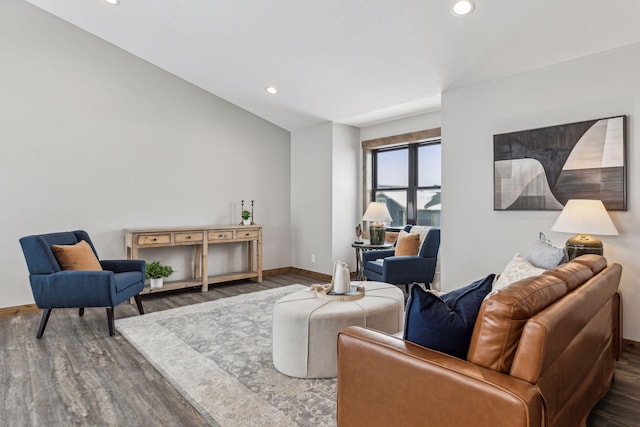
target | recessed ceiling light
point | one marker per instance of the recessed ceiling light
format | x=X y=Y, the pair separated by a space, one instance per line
x=114 y=2
x=272 y=90
x=463 y=7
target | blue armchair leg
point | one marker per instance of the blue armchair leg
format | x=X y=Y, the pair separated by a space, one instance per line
x=81 y=311
x=43 y=322
x=139 y=303
x=110 y=320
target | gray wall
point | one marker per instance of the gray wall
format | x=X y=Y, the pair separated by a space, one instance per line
x=478 y=240
x=95 y=138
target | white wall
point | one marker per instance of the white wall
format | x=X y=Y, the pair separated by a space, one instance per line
x=345 y=189
x=95 y=138
x=478 y=240
x=324 y=201
x=311 y=197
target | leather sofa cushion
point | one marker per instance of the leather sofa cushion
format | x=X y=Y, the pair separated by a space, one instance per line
x=596 y=263
x=503 y=315
x=573 y=274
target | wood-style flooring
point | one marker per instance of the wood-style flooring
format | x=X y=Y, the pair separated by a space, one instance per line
x=78 y=375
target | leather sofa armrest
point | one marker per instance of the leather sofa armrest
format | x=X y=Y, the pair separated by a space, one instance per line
x=384 y=380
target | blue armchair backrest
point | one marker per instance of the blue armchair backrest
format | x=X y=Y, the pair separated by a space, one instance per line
x=431 y=243
x=39 y=255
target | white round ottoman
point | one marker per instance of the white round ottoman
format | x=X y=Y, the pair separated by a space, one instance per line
x=305 y=327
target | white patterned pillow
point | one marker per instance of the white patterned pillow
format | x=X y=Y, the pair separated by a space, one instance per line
x=517 y=269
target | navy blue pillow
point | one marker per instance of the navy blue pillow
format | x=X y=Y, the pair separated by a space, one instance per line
x=445 y=323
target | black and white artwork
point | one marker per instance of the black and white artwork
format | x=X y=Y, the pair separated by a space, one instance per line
x=540 y=169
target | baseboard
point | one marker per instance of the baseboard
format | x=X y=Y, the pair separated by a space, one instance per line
x=18 y=310
x=326 y=278
x=631 y=346
x=276 y=271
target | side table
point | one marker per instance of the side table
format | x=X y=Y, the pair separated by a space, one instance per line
x=360 y=247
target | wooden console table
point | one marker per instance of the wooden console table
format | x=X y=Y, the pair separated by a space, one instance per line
x=200 y=238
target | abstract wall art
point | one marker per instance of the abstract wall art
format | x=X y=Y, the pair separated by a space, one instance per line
x=540 y=169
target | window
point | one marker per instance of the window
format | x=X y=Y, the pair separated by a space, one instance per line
x=408 y=179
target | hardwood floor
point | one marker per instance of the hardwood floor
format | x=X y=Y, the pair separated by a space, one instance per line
x=78 y=375
x=621 y=405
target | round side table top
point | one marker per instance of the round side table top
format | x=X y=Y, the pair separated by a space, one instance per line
x=367 y=245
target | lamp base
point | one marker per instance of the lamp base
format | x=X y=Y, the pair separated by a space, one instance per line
x=376 y=234
x=582 y=244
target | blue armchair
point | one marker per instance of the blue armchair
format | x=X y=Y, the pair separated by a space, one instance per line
x=54 y=287
x=404 y=270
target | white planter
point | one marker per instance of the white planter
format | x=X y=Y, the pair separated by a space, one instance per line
x=156 y=283
x=246 y=221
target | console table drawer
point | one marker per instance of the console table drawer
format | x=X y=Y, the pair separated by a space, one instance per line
x=188 y=237
x=246 y=234
x=220 y=235
x=154 y=239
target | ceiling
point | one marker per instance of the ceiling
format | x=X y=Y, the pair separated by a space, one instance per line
x=356 y=62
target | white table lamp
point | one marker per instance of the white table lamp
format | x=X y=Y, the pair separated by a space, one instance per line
x=377 y=214
x=584 y=217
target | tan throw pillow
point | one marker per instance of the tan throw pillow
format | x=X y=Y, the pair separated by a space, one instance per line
x=408 y=244
x=76 y=257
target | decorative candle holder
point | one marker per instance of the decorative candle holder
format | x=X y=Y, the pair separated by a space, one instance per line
x=252 y=223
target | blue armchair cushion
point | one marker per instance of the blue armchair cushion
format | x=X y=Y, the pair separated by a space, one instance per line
x=377 y=254
x=128 y=279
x=445 y=323
x=78 y=256
x=376 y=266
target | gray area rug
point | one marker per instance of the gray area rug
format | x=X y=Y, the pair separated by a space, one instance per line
x=218 y=355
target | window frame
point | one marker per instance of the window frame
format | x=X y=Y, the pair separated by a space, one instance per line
x=411 y=141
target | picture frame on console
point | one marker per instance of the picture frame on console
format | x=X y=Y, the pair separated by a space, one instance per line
x=541 y=169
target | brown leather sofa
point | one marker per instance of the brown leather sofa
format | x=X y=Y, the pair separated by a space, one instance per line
x=542 y=353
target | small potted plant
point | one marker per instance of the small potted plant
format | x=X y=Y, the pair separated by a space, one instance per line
x=246 y=215
x=157 y=272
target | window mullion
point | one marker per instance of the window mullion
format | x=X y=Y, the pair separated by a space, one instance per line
x=412 y=209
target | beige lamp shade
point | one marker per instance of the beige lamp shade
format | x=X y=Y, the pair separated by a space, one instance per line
x=585 y=216
x=377 y=212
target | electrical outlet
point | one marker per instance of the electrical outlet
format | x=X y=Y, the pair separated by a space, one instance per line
x=313 y=257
